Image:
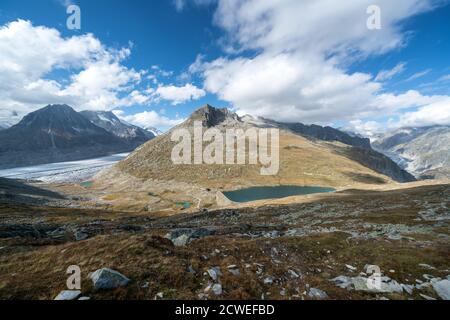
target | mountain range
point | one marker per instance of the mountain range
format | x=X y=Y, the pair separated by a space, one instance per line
x=58 y=133
x=313 y=131
x=308 y=156
x=111 y=123
x=424 y=151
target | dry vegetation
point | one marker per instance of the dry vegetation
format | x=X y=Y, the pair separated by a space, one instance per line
x=302 y=162
x=397 y=230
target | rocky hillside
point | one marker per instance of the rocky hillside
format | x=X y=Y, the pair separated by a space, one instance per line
x=304 y=160
x=425 y=152
x=56 y=133
x=316 y=250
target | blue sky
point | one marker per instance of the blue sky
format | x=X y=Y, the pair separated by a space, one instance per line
x=154 y=62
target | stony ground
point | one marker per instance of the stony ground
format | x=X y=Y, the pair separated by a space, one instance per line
x=318 y=250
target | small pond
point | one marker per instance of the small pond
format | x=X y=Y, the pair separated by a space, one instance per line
x=276 y=192
x=86 y=184
x=183 y=205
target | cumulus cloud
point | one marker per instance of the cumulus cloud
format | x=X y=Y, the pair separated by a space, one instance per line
x=366 y=128
x=431 y=111
x=96 y=79
x=179 y=95
x=437 y=113
x=321 y=26
x=301 y=51
x=148 y=119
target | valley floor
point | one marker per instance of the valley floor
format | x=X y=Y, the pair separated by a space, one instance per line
x=277 y=251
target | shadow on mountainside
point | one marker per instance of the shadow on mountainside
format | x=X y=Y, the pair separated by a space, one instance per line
x=19 y=192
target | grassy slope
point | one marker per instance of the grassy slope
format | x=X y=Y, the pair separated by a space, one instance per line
x=302 y=162
x=34 y=268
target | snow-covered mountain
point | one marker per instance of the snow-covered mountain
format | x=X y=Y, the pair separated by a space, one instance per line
x=424 y=151
x=57 y=133
x=153 y=130
x=111 y=123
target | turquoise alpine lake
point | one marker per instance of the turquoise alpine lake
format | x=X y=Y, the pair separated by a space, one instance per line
x=275 y=192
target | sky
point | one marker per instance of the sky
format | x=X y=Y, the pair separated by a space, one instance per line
x=154 y=62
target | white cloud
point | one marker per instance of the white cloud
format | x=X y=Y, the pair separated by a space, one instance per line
x=445 y=78
x=388 y=74
x=418 y=75
x=301 y=51
x=181 y=4
x=437 y=113
x=321 y=26
x=96 y=79
x=365 y=128
x=149 y=119
x=179 y=94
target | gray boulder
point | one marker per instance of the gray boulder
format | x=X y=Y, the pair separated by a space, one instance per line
x=234 y=270
x=217 y=289
x=317 y=294
x=84 y=298
x=268 y=280
x=384 y=285
x=68 y=295
x=182 y=237
x=108 y=279
x=442 y=288
x=214 y=273
x=80 y=235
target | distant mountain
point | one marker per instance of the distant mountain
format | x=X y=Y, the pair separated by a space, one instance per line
x=317 y=158
x=56 y=133
x=111 y=123
x=313 y=131
x=6 y=123
x=424 y=151
x=153 y=130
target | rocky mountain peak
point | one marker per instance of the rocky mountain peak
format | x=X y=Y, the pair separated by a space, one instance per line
x=54 y=116
x=58 y=133
x=211 y=116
